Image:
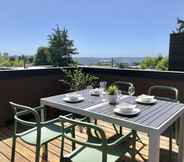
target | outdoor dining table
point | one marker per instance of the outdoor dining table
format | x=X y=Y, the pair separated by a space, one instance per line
x=153 y=119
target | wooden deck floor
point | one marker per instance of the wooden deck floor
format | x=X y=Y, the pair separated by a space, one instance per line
x=26 y=153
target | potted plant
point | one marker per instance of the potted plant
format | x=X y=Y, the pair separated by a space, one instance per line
x=112 y=92
x=79 y=80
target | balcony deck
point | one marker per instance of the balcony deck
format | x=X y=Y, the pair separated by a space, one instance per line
x=26 y=153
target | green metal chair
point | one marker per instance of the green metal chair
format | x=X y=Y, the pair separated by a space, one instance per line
x=158 y=91
x=96 y=148
x=40 y=132
x=127 y=88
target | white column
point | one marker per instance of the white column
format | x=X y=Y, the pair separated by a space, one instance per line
x=154 y=146
x=181 y=141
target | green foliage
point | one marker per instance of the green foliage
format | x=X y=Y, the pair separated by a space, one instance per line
x=12 y=61
x=158 y=63
x=180 y=26
x=79 y=80
x=42 y=57
x=148 y=63
x=61 y=47
x=162 y=64
x=112 y=89
x=30 y=59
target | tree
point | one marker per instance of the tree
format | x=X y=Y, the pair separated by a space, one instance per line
x=180 y=26
x=162 y=64
x=148 y=63
x=61 y=47
x=30 y=59
x=10 y=61
x=159 y=63
x=78 y=79
x=42 y=57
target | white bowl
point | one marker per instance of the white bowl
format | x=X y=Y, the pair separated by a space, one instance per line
x=73 y=97
x=125 y=107
x=134 y=112
x=95 y=91
x=146 y=98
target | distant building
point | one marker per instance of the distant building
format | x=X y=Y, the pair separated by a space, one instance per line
x=105 y=62
x=176 y=52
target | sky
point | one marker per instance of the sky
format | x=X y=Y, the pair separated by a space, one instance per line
x=99 y=28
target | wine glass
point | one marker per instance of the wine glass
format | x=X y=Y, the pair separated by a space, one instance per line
x=89 y=88
x=102 y=88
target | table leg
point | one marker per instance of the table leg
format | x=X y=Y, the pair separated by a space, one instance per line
x=181 y=141
x=154 y=146
x=44 y=147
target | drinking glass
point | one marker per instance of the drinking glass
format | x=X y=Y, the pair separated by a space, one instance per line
x=89 y=88
x=103 y=96
x=119 y=93
x=103 y=85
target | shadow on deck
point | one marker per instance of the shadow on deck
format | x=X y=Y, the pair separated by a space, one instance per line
x=26 y=153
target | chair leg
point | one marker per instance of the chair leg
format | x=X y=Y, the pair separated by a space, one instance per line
x=115 y=128
x=120 y=130
x=13 y=149
x=62 y=150
x=46 y=151
x=89 y=133
x=96 y=122
x=139 y=140
x=104 y=156
x=170 y=145
x=134 y=146
x=37 y=156
x=73 y=136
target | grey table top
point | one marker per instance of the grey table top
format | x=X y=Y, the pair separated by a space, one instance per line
x=158 y=116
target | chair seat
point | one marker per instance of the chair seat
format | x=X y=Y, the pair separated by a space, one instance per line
x=48 y=132
x=86 y=153
x=83 y=154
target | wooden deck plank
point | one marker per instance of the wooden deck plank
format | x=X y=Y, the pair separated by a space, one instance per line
x=26 y=153
x=6 y=150
x=3 y=158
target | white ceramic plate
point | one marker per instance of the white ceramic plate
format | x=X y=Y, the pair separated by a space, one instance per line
x=138 y=100
x=135 y=111
x=67 y=99
x=93 y=93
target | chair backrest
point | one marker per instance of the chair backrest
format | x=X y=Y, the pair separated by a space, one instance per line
x=126 y=88
x=102 y=143
x=89 y=126
x=20 y=110
x=166 y=93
